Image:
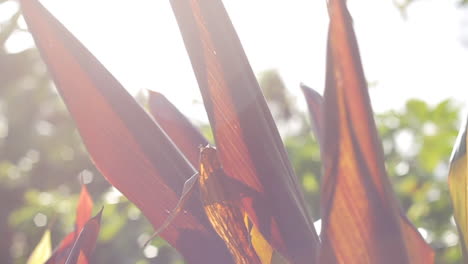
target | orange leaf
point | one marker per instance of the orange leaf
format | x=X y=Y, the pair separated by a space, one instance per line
x=128 y=148
x=412 y=236
x=221 y=196
x=362 y=219
x=243 y=240
x=249 y=146
x=222 y=205
x=224 y=215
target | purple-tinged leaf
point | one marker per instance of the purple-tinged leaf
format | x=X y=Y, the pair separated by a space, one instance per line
x=126 y=145
x=314 y=104
x=184 y=135
x=86 y=241
x=248 y=142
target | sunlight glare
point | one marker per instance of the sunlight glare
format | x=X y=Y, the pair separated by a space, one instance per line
x=7 y=10
x=18 y=42
x=139 y=42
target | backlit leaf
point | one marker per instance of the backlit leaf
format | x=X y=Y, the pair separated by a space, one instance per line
x=63 y=250
x=188 y=139
x=84 y=209
x=458 y=185
x=184 y=135
x=314 y=104
x=190 y=186
x=126 y=145
x=86 y=241
x=249 y=146
x=220 y=196
x=265 y=252
x=362 y=219
x=43 y=250
x=83 y=214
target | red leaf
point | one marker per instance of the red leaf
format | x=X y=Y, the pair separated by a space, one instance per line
x=128 y=148
x=83 y=214
x=84 y=209
x=63 y=250
x=86 y=241
x=184 y=135
x=362 y=219
x=248 y=142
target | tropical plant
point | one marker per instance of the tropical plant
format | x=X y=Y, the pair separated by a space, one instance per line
x=78 y=245
x=239 y=202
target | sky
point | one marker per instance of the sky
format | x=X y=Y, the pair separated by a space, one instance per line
x=422 y=56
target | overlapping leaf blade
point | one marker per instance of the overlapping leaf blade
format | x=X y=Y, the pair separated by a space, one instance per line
x=248 y=142
x=362 y=220
x=219 y=195
x=86 y=241
x=129 y=149
x=314 y=103
x=220 y=199
x=225 y=213
x=458 y=186
x=184 y=135
x=84 y=209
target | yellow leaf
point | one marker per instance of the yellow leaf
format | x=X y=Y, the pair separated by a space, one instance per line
x=264 y=250
x=43 y=250
x=458 y=188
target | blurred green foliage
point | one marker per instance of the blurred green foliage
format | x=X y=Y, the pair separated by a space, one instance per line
x=402 y=5
x=418 y=142
x=42 y=161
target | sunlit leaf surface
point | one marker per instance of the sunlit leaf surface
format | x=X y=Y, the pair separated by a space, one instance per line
x=128 y=148
x=43 y=250
x=226 y=215
x=222 y=204
x=362 y=219
x=220 y=196
x=231 y=222
x=249 y=146
x=458 y=186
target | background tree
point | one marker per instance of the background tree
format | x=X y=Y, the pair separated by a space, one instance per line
x=402 y=5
